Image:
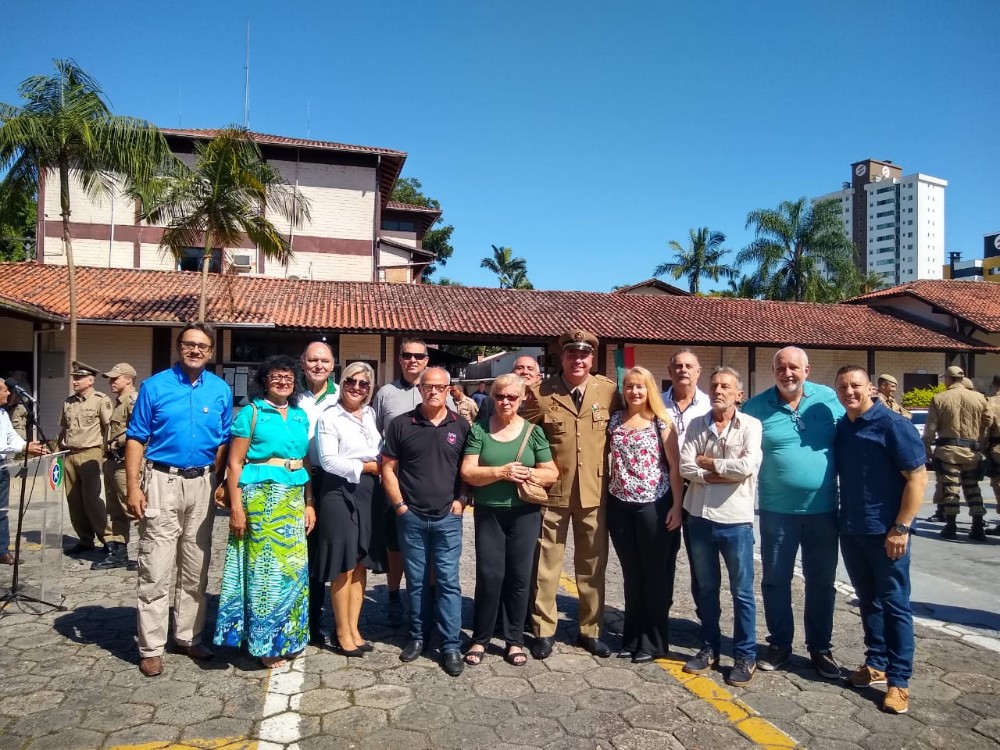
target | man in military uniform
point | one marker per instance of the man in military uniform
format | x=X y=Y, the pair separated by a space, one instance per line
x=83 y=428
x=887 y=385
x=121 y=379
x=958 y=419
x=573 y=408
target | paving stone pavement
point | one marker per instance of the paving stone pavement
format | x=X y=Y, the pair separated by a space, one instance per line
x=69 y=681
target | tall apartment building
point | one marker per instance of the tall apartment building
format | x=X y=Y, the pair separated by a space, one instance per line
x=896 y=221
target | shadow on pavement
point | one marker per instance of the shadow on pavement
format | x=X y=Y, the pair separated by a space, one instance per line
x=972 y=618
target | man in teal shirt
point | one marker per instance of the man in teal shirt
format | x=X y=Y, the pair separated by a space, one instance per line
x=797 y=492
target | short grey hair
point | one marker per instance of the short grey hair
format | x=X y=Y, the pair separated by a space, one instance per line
x=420 y=380
x=505 y=381
x=732 y=372
x=799 y=352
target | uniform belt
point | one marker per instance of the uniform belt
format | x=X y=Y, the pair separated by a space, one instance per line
x=191 y=472
x=960 y=442
x=291 y=464
x=81 y=450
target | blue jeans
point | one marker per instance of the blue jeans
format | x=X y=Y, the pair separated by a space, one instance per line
x=781 y=536
x=439 y=540
x=882 y=586
x=4 y=511
x=734 y=542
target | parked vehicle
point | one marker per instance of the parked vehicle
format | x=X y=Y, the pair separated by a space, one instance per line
x=919 y=419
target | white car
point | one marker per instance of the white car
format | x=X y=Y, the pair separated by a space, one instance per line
x=919 y=419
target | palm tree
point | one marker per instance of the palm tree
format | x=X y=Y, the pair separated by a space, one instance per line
x=702 y=257
x=792 y=247
x=223 y=199
x=520 y=281
x=504 y=265
x=65 y=126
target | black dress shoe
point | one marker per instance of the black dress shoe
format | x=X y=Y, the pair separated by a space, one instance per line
x=624 y=654
x=452 y=663
x=641 y=657
x=595 y=646
x=542 y=647
x=412 y=650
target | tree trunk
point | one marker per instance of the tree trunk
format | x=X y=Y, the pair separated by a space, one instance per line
x=67 y=239
x=206 y=261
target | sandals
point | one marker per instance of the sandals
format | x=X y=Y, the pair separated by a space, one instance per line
x=515 y=658
x=474 y=658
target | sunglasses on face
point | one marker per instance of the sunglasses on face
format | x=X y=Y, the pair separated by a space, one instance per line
x=413 y=355
x=357 y=383
x=506 y=397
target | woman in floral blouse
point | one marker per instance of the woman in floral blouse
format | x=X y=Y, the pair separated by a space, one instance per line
x=644 y=513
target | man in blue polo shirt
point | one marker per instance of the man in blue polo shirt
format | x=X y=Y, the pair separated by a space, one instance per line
x=420 y=475
x=798 y=508
x=880 y=463
x=175 y=456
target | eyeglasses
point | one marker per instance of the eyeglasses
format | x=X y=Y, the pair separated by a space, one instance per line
x=413 y=355
x=434 y=388
x=357 y=383
x=506 y=397
x=280 y=378
x=192 y=345
x=800 y=423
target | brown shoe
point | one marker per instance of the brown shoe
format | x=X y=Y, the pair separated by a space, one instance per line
x=865 y=676
x=196 y=652
x=151 y=666
x=6 y=559
x=897 y=701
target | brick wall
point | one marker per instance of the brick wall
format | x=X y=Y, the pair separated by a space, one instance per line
x=341 y=199
x=355 y=346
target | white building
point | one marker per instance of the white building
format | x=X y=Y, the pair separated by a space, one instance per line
x=896 y=221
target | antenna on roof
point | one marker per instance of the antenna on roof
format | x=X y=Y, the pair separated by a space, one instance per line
x=246 y=83
x=308 y=116
x=180 y=107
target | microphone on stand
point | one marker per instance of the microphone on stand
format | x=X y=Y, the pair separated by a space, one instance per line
x=21 y=391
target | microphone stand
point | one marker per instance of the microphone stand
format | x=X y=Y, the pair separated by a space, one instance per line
x=15 y=595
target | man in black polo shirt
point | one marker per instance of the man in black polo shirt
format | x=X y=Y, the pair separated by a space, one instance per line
x=420 y=460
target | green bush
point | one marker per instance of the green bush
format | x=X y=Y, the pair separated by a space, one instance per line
x=921 y=397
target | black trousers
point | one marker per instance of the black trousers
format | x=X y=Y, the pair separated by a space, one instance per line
x=505 y=552
x=648 y=556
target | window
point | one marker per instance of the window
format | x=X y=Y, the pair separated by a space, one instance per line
x=191 y=260
x=399 y=226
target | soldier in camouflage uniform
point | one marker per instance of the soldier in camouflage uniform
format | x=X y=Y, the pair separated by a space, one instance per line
x=121 y=379
x=958 y=419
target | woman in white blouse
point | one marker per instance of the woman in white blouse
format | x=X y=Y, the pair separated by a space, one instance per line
x=350 y=506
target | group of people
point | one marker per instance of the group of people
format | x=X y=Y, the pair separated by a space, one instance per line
x=325 y=484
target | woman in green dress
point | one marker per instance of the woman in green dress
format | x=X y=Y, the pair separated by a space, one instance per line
x=506 y=528
x=265 y=594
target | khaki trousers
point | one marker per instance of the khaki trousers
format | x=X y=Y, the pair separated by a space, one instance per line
x=87 y=513
x=176 y=529
x=590 y=558
x=116 y=494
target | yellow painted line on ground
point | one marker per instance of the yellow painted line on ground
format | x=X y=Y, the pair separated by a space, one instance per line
x=222 y=743
x=747 y=721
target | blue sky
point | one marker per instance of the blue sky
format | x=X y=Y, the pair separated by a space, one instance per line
x=584 y=135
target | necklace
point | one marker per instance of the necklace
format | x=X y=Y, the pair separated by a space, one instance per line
x=269 y=402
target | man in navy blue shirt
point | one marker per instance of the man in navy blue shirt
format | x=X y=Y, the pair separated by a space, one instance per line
x=175 y=456
x=880 y=463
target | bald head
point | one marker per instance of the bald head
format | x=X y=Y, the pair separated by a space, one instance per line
x=317 y=364
x=791 y=368
x=527 y=368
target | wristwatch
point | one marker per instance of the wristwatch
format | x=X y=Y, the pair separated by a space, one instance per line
x=902 y=528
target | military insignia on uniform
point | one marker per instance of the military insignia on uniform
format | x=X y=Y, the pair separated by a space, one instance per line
x=452 y=438
x=595 y=407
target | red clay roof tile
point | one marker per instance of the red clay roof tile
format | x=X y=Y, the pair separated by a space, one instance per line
x=975 y=301
x=165 y=297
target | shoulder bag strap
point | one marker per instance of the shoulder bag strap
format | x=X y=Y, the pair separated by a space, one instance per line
x=524 y=443
x=253 y=423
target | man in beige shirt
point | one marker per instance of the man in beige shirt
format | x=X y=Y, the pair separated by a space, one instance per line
x=887 y=385
x=958 y=421
x=83 y=428
x=121 y=380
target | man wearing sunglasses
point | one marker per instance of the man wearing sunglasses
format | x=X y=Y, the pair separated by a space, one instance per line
x=391 y=400
x=798 y=508
x=175 y=457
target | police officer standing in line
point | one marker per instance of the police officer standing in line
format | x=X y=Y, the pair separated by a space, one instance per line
x=958 y=419
x=574 y=408
x=83 y=429
x=121 y=380
x=992 y=447
x=887 y=385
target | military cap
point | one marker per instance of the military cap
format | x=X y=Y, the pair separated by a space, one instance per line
x=122 y=368
x=955 y=372
x=82 y=370
x=578 y=338
x=887 y=378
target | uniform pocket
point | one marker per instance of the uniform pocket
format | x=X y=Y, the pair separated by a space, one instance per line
x=554 y=425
